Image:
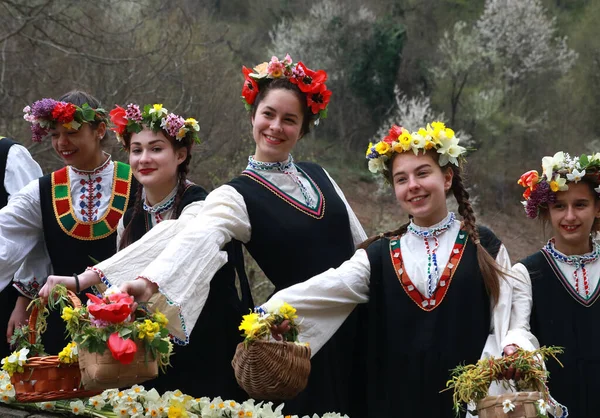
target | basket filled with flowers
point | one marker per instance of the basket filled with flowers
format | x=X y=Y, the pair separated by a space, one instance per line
x=270 y=363
x=529 y=396
x=36 y=376
x=117 y=346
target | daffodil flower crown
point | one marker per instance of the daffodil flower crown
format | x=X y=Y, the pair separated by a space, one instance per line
x=46 y=114
x=132 y=120
x=311 y=83
x=557 y=172
x=434 y=136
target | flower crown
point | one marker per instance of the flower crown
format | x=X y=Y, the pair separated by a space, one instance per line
x=435 y=136
x=557 y=171
x=311 y=83
x=45 y=114
x=132 y=120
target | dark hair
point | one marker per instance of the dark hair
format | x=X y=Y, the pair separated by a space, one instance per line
x=490 y=270
x=79 y=98
x=284 y=84
x=182 y=172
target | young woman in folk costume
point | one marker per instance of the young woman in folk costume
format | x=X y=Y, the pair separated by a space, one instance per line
x=17 y=169
x=292 y=217
x=435 y=288
x=75 y=210
x=159 y=144
x=561 y=279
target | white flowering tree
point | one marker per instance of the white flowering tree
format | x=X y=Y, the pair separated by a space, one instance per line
x=494 y=60
x=360 y=53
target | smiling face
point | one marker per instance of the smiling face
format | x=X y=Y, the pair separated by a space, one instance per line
x=420 y=186
x=155 y=161
x=572 y=217
x=80 y=149
x=277 y=125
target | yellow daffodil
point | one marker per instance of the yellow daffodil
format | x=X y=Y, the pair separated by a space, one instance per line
x=248 y=322
x=405 y=140
x=67 y=313
x=382 y=147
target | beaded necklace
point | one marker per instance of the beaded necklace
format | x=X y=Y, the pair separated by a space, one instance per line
x=285 y=167
x=433 y=272
x=577 y=261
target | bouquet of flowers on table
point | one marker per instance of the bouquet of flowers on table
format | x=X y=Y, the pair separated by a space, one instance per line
x=137 y=402
x=530 y=397
x=271 y=363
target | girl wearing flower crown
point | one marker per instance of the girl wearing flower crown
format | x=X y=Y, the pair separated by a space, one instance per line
x=435 y=287
x=292 y=217
x=561 y=279
x=159 y=144
x=70 y=215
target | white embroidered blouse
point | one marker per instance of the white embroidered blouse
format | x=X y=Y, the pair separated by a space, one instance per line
x=21 y=226
x=183 y=255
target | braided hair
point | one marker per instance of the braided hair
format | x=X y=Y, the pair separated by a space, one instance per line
x=490 y=270
x=182 y=171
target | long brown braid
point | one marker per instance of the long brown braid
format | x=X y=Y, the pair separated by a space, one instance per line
x=182 y=170
x=490 y=270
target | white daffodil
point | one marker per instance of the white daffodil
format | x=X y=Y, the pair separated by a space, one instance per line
x=417 y=142
x=549 y=163
x=47 y=406
x=561 y=183
x=77 y=407
x=575 y=175
x=508 y=406
x=542 y=406
x=377 y=165
x=22 y=356
x=450 y=151
x=97 y=402
x=158 y=109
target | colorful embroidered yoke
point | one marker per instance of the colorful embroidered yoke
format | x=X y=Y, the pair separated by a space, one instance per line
x=562 y=317
x=72 y=244
x=409 y=346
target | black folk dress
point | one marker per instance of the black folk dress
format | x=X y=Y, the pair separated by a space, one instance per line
x=203 y=367
x=561 y=317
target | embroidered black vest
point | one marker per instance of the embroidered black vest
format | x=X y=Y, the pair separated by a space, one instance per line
x=408 y=350
x=74 y=245
x=5 y=144
x=288 y=244
x=292 y=243
x=559 y=318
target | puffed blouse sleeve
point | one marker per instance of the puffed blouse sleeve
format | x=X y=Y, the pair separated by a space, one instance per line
x=182 y=256
x=325 y=301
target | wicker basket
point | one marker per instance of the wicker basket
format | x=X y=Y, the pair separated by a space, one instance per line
x=46 y=378
x=272 y=370
x=491 y=406
x=102 y=371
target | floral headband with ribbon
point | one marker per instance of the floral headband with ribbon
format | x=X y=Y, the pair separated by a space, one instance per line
x=46 y=114
x=155 y=117
x=434 y=136
x=557 y=172
x=311 y=83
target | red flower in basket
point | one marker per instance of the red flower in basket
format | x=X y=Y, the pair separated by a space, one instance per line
x=117 y=117
x=115 y=308
x=123 y=350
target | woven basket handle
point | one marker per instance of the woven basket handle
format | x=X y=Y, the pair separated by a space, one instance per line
x=75 y=302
